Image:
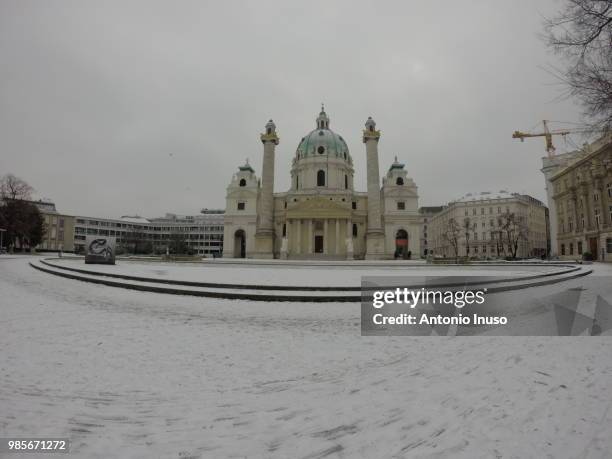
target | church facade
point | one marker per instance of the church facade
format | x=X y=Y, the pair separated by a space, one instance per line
x=321 y=216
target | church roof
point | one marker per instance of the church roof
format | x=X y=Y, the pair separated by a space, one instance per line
x=396 y=165
x=246 y=167
x=323 y=140
x=486 y=195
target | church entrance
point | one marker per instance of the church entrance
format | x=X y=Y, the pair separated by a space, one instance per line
x=401 y=244
x=318 y=244
x=239 y=244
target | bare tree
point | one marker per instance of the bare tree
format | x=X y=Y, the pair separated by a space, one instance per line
x=451 y=235
x=582 y=33
x=468 y=228
x=12 y=187
x=496 y=235
x=514 y=228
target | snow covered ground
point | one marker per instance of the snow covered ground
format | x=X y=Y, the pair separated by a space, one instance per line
x=143 y=375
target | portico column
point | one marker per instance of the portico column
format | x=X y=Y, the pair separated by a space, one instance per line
x=310 y=236
x=298 y=248
x=325 y=238
x=349 y=239
x=337 y=236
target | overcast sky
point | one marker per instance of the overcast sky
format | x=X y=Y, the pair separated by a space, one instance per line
x=128 y=107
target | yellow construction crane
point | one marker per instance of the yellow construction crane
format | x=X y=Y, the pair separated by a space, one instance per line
x=547 y=134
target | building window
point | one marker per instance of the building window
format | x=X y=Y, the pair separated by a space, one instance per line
x=490 y=210
x=474 y=211
x=401 y=205
x=242 y=182
x=241 y=206
x=609 y=186
x=354 y=205
x=346 y=182
x=482 y=211
x=399 y=181
x=284 y=229
x=499 y=210
x=595 y=197
x=579 y=247
x=354 y=229
x=609 y=244
x=321 y=150
x=571 y=248
x=321 y=178
x=562 y=249
x=285 y=204
x=466 y=212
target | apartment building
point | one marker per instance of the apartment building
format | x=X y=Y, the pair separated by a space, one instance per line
x=478 y=221
x=427 y=213
x=582 y=194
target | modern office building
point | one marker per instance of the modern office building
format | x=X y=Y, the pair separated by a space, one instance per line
x=202 y=233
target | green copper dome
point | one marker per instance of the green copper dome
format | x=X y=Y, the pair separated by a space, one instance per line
x=323 y=141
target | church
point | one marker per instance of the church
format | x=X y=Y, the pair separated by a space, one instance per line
x=321 y=216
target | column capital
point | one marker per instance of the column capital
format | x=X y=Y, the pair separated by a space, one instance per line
x=370 y=135
x=270 y=138
x=370 y=132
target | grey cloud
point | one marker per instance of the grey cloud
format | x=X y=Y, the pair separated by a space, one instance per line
x=113 y=108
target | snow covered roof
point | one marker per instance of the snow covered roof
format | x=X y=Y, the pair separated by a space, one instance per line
x=134 y=219
x=486 y=195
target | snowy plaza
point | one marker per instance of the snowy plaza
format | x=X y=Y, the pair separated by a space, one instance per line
x=136 y=374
